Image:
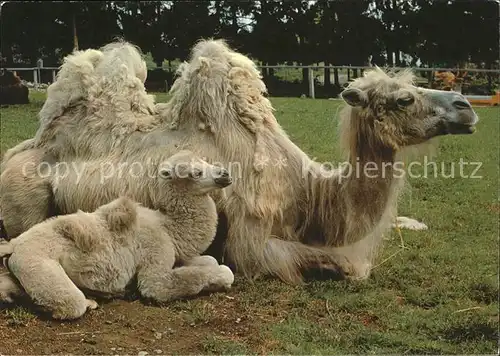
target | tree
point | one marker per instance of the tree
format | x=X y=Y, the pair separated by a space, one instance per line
x=196 y=17
x=30 y=30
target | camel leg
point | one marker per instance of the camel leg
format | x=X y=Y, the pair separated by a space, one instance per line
x=361 y=255
x=204 y=260
x=201 y=261
x=164 y=285
x=403 y=222
x=253 y=251
x=49 y=286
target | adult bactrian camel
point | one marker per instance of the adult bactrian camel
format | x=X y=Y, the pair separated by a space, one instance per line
x=283 y=213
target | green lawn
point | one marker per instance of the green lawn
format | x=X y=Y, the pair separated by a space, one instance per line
x=437 y=296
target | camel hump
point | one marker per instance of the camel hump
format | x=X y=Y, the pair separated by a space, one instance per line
x=120 y=214
x=78 y=229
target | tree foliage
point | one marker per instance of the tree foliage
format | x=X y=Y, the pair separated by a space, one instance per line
x=347 y=32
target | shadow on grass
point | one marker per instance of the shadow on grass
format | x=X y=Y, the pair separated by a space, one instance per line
x=467 y=332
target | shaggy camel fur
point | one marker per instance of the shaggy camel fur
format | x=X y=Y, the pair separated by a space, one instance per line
x=103 y=251
x=84 y=77
x=283 y=214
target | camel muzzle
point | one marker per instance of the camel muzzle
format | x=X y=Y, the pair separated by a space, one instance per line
x=455 y=109
x=223 y=181
x=224 y=178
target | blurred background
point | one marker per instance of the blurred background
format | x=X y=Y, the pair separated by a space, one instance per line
x=304 y=48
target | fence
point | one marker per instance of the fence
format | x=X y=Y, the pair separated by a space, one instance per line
x=296 y=80
x=36 y=74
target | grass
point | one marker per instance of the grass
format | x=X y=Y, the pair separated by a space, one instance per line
x=18 y=316
x=438 y=296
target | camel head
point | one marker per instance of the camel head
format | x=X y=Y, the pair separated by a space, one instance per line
x=190 y=173
x=396 y=113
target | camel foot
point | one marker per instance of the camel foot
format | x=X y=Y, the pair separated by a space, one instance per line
x=410 y=224
x=350 y=271
x=92 y=304
x=222 y=281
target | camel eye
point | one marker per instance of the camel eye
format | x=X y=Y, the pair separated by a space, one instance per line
x=405 y=100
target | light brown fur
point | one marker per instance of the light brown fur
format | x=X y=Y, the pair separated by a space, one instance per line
x=103 y=251
x=281 y=218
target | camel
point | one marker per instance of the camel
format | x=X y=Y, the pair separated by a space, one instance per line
x=284 y=213
x=105 y=250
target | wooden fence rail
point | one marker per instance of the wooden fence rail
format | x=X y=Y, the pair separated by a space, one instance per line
x=310 y=71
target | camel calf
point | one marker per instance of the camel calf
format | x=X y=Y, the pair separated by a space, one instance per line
x=105 y=250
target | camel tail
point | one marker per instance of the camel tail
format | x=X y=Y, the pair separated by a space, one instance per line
x=77 y=228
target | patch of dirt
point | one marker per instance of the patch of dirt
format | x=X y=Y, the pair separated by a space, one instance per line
x=129 y=327
x=494 y=208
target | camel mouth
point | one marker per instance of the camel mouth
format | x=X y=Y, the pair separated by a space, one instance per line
x=460 y=129
x=223 y=181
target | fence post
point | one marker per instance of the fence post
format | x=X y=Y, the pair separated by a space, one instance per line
x=39 y=65
x=35 y=77
x=310 y=74
x=53 y=75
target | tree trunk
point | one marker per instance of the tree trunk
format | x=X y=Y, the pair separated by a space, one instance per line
x=305 y=79
x=7 y=53
x=75 y=35
x=234 y=13
x=398 y=58
x=336 y=77
x=328 y=81
x=430 y=78
x=390 y=58
x=265 y=71
x=490 y=78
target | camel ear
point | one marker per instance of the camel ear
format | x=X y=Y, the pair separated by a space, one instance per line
x=354 y=97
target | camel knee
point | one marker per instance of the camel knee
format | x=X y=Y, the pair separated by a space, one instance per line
x=48 y=285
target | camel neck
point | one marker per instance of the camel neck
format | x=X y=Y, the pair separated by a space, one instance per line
x=352 y=201
x=370 y=190
x=191 y=222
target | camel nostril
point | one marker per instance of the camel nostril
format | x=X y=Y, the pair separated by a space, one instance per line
x=224 y=173
x=462 y=104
